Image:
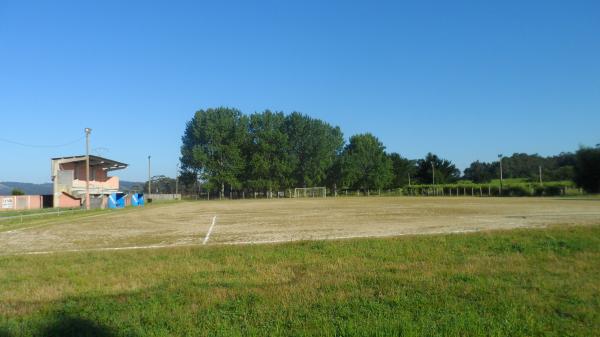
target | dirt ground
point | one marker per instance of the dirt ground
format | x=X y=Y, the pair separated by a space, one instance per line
x=278 y=220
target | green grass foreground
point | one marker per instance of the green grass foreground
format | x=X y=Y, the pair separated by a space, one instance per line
x=514 y=283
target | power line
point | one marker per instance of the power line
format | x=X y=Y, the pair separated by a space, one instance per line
x=41 y=146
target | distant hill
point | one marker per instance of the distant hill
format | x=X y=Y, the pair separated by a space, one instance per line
x=127 y=186
x=6 y=187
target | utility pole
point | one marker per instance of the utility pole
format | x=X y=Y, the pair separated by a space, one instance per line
x=433 y=172
x=500 y=156
x=408 y=179
x=541 y=182
x=177 y=180
x=87 y=168
x=149 y=178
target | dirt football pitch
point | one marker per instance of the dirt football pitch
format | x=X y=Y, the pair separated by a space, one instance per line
x=281 y=220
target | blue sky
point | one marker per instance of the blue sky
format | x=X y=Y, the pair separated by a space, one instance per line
x=463 y=79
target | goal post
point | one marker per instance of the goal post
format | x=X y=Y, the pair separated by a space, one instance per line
x=310 y=192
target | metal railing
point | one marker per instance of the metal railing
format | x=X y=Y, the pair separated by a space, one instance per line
x=58 y=212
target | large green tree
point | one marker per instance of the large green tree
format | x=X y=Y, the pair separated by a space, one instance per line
x=445 y=170
x=482 y=172
x=160 y=184
x=402 y=168
x=587 y=169
x=188 y=182
x=525 y=166
x=522 y=165
x=212 y=145
x=313 y=148
x=560 y=167
x=365 y=164
x=267 y=150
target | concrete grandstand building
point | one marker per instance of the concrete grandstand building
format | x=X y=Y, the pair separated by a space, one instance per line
x=69 y=178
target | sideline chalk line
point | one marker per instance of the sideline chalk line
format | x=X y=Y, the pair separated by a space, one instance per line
x=209 y=230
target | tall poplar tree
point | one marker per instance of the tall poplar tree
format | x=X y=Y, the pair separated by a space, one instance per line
x=212 y=145
x=269 y=161
x=314 y=146
x=365 y=164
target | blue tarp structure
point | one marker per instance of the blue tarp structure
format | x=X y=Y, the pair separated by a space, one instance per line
x=112 y=201
x=137 y=199
x=120 y=200
x=116 y=200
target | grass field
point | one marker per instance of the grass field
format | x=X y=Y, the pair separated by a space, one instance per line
x=524 y=282
x=525 y=267
x=267 y=221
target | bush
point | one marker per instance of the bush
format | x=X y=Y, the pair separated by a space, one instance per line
x=17 y=191
x=516 y=191
x=548 y=190
x=538 y=191
x=552 y=190
x=511 y=189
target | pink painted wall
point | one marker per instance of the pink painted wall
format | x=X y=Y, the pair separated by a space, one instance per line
x=35 y=201
x=78 y=168
x=68 y=201
x=112 y=182
x=98 y=176
x=22 y=202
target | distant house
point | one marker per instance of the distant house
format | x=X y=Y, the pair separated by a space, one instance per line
x=69 y=178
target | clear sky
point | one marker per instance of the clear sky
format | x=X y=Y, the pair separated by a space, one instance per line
x=463 y=79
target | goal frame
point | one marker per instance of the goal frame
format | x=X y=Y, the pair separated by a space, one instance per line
x=310 y=192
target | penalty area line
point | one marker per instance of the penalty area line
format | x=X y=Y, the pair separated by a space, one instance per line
x=212 y=225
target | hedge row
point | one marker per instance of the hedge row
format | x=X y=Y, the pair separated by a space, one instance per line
x=508 y=190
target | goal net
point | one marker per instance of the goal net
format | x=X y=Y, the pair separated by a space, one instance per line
x=310 y=192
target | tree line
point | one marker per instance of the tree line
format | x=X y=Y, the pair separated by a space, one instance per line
x=224 y=150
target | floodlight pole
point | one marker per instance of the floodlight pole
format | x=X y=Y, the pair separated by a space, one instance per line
x=501 y=178
x=177 y=180
x=87 y=168
x=149 y=179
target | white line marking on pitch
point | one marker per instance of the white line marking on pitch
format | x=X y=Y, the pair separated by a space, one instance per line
x=101 y=249
x=210 y=230
x=345 y=237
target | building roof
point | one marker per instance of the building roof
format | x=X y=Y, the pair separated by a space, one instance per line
x=105 y=163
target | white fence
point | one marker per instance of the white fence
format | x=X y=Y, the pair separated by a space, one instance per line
x=57 y=212
x=156 y=197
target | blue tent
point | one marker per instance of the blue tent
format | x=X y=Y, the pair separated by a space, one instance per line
x=116 y=200
x=112 y=200
x=120 y=200
x=137 y=199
